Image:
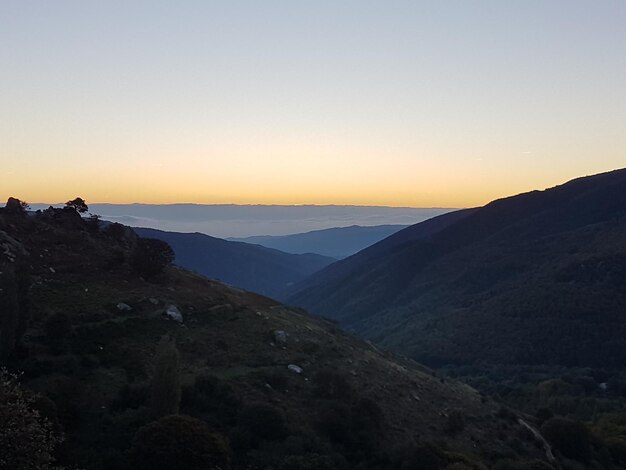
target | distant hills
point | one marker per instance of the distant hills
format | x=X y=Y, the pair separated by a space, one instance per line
x=338 y=242
x=233 y=220
x=252 y=267
x=538 y=278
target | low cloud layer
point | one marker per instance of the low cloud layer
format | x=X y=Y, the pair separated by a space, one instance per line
x=248 y=220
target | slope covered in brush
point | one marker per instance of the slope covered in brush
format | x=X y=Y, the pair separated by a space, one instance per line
x=112 y=346
x=535 y=278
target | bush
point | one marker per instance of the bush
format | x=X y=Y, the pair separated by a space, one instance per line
x=58 y=329
x=27 y=440
x=571 y=438
x=9 y=312
x=264 y=421
x=151 y=256
x=166 y=389
x=332 y=385
x=455 y=423
x=179 y=443
x=213 y=399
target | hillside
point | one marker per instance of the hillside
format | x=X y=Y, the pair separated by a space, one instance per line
x=537 y=278
x=93 y=328
x=338 y=242
x=252 y=267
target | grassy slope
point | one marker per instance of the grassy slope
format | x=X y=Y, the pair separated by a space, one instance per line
x=227 y=333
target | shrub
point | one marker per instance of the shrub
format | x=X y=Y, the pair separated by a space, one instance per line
x=58 y=329
x=9 y=312
x=151 y=256
x=165 y=387
x=571 y=438
x=264 y=421
x=455 y=423
x=27 y=440
x=179 y=443
x=332 y=385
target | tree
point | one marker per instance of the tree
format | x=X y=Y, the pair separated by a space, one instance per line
x=78 y=204
x=27 y=440
x=166 y=388
x=179 y=443
x=15 y=206
x=151 y=256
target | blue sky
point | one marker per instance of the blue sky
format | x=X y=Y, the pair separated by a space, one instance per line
x=419 y=103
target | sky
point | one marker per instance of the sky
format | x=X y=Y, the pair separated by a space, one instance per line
x=398 y=103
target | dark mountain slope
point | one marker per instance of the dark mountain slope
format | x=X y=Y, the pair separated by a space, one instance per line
x=252 y=267
x=334 y=274
x=95 y=325
x=534 y=278
x=337 y=242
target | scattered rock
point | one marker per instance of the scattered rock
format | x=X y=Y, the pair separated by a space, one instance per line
x=122 y=307
x=153 y=301
x=52 y=270
x=280 y=337
x=173 y=312
x=294 y=368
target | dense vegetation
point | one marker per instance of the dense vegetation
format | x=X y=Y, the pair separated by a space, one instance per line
x=523 y=299
x=538 y=278
x=139 y=364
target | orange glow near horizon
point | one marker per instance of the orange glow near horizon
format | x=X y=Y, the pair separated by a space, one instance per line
x=414 y=104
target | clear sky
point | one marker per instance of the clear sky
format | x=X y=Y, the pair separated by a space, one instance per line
x=411 y=103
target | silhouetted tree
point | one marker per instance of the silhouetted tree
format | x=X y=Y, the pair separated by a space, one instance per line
x=151 y=256
x=165 y=387
x=78 y=204
x=15 y=206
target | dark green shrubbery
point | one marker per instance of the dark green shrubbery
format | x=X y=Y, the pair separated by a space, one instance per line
x=27 y=440
x=58 y=329
x=570 y=438
x=165 y=386
x=151 y=256
x=179 y=443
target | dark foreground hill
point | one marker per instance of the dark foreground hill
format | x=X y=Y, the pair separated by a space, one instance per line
x=252 y=267
x=538 y=278
x=339 y=242
x=113 y=345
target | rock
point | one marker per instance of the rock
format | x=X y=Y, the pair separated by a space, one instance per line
x=173 y=312
x=280 y=337
x=122 y=307
x=294 y=368
x=14 y=206
x=153 y=301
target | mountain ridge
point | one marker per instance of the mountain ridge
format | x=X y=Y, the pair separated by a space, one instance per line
x=437 y=291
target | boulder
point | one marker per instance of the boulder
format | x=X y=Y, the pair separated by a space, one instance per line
x=280 y=337
x=173 y=312
x=122 y=307
x=295 y=369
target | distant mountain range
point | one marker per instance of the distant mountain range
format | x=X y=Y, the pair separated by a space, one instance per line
x=535 y=278
x=338 y=242
x=252 y=267
x=233 y=220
